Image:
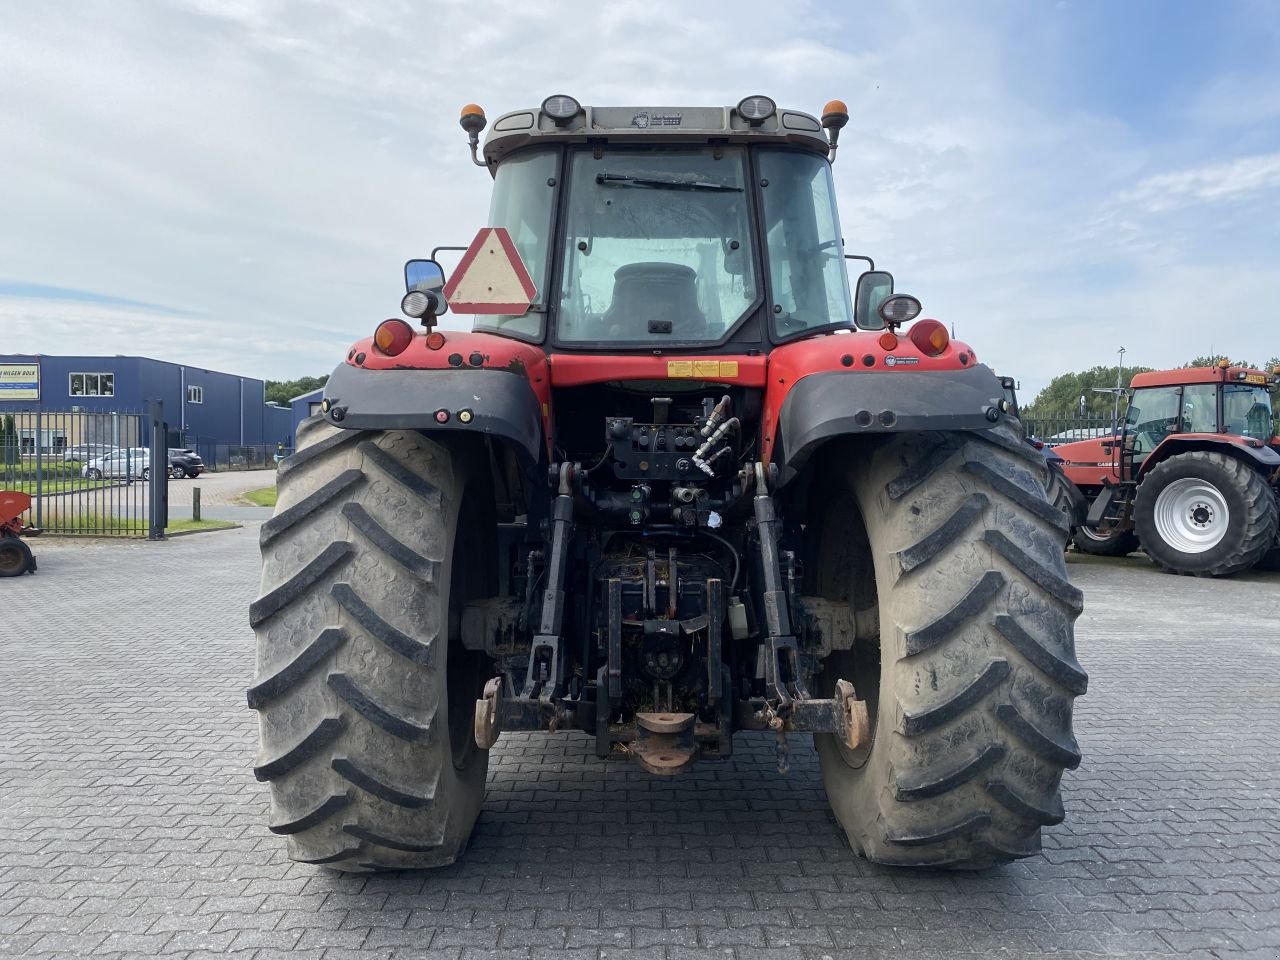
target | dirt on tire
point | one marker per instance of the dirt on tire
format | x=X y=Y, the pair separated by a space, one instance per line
x=359 y=685
x=972 y=676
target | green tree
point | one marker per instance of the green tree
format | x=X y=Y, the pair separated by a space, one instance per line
x=1061 y=398
x=1212 y=361
x=282 y=391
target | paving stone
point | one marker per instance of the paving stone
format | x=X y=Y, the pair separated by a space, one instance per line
x=131 y=825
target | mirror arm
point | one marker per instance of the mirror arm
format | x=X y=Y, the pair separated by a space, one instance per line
x=871 y=264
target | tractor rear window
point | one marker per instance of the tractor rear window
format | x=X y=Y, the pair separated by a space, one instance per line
x=658 y=246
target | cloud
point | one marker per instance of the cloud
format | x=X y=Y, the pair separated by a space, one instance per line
x=1213 y=183
x=266 y=168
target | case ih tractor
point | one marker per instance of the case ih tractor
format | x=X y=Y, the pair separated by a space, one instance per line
x=1192 y=476
x=674 y=485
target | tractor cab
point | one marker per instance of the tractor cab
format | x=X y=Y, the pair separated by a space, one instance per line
x=1209 y=402
x=712 y=229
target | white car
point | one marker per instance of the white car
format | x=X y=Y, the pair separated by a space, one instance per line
x=132 y=463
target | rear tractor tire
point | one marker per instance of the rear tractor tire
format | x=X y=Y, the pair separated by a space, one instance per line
x=971 y=672
x=364 y=695
x=1206 y=514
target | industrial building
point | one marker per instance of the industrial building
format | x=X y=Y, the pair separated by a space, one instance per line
x=205 y=409
x=305 y=405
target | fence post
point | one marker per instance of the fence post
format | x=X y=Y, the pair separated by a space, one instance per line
x=158 y=492
x=39 y=468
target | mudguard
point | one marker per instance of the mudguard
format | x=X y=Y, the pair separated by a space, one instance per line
x=1264 y=457
x=501 y=403
x=824 y=405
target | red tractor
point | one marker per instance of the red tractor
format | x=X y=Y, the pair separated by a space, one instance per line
x=15 y=556
x=677 y=483
x=1191 y=476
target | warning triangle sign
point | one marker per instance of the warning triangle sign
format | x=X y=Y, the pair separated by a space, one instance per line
x=491 y=277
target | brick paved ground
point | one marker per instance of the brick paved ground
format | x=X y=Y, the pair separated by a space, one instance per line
x=130 y=824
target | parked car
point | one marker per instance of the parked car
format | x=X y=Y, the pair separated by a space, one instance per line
x=184 y=462
x=131 y=463
x=83 y=452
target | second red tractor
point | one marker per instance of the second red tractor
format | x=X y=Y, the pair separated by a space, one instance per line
x=1191 y=475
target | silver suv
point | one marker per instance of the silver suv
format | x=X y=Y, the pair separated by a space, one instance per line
x=132 y=463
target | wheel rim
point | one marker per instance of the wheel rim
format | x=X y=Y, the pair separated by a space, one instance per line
x=1191 y=515
x=11 y=560
x=1096 y=535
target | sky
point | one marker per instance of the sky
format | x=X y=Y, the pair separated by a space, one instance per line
x=236 y=184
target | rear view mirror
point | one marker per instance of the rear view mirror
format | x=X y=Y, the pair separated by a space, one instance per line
x=424 y=283
x=423 y=275
x=874 y=287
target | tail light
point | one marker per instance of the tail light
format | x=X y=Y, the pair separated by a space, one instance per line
x=930 y=337
x=393 y=337
x=435 y=340
x=888 y=340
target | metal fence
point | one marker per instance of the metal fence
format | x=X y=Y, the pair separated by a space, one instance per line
x=88 y=473
x=1055 y=430
x=231 y=456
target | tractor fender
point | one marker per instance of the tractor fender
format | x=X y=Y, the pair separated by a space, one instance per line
x=822 y=406
x=501 y=403
x=1264 y=458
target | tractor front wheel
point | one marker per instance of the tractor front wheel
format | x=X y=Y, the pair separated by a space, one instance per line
x=964 y=649
x=1204 y=513
x=364 y=693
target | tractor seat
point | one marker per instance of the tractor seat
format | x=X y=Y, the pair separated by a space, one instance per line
x=655 y=299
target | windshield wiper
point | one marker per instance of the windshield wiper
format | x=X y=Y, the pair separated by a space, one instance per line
x=654 y=184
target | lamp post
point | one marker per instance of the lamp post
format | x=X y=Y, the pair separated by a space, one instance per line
x=1115 y=408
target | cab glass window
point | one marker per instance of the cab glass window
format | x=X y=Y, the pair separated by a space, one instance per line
x=657 y=247
x=1200 y=408
x=802 y=235
x=1153 y=415
x=523 y=199
x=1246 y=411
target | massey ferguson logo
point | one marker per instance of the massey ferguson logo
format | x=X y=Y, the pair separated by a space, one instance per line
x=643 y=120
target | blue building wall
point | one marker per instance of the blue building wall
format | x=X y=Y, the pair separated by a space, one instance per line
x=232 y=410
x=301 y=407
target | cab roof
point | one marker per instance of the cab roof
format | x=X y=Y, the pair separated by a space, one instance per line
x=1188 y=375
x=649 y=124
